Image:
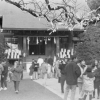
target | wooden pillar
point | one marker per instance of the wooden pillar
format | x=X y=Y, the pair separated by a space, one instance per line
x=24 y=50
x=57 y=45
x=71 y=40
x=20 y=43
x=25 y=44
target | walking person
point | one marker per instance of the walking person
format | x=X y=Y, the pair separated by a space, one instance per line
x=59 y=72
x=1 y=69
x=40 y=61
x=50 y=62
x=63 y=76
x=31 y=70
x=9 y=74
x=16 y=77
x=56 y=67
x=94 y=65
x=21 y=65
x=4 y=76
x=97 y=82
x=44 y=69
x=72 y=73
x=49 y=72
x=88 y=84
x=35 y=74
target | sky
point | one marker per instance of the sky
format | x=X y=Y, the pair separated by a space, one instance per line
x=81 y=5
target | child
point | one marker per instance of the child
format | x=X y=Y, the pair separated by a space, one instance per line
x=88 y=84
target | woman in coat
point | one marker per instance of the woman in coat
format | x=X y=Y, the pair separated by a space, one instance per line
x=16 y=77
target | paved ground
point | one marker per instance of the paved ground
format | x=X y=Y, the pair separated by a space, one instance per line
x=34 y=90
x=29 y=90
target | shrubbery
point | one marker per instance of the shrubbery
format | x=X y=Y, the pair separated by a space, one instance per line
x=89 y=48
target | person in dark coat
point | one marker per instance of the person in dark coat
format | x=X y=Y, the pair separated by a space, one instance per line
x=63 y=76
x=31 y=70
x=50 y=62
x=36 y=66
x=97 y=81
x=16 y=77
x=4 y=76
x=72 y=72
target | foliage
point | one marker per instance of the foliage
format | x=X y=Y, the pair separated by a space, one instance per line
x=89 y=49
x=2 y=48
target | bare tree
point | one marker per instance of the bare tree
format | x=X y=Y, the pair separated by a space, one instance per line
x=56 y=13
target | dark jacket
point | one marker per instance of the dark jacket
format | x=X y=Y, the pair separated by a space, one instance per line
x=97 y=75
x=31 y=69
x=50 y=61
x=72 y=73
x=62 y=68
x=5 y=71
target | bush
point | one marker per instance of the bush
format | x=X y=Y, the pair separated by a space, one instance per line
x=2 y=48
x=89 y=49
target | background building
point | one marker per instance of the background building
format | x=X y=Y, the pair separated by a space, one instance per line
x=28 y=37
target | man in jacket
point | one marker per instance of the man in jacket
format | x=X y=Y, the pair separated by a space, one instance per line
x=4 y=76
x=72 y=73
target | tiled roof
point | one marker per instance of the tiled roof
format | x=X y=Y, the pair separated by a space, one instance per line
x=13 y=17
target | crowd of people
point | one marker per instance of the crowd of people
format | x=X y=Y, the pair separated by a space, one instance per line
x=75 y=73
x=41 y=68
x=8 y=73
